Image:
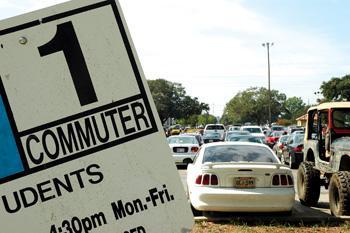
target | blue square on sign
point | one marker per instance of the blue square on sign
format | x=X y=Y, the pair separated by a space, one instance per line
x=10 y=159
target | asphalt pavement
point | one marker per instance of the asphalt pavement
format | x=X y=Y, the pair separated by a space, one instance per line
x=300 y=213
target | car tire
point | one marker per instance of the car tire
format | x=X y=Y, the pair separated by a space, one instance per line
x=187 y=161
x=308 y=184
x=339 y=193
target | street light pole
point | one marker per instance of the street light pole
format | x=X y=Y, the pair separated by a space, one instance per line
x=268 y=44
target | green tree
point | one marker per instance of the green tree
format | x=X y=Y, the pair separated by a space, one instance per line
x=294 y=107
x=336 y=88
x=204 y=119
x=172 y=102
x=251 y=105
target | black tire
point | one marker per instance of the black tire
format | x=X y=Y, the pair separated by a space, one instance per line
x=187 y=161
x=339 y=193
x=308 y=184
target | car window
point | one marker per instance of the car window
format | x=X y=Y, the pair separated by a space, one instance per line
x=298 y=138
x=341 y=118
x=253 y=130
x=244 y=138
x=238 y=153
x=277 y=128
x=217 y=127
x=182 y=140
x=283 y=139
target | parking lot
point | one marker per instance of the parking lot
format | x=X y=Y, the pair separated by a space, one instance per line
x=300 y=213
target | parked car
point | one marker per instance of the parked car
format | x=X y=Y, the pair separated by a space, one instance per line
x=234 y=133
x=215 y=128
x=183 y=148
x=273 y=137
x=278 y=147
x=212 y=137
x=197 y=135
x=234 y=128
x=244 y=138
x=293 y=150
x=254 y=130
x=174 y=130
x=277 y=128
x=241 y=177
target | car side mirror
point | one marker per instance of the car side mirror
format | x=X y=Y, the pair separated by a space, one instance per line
x=291 y=141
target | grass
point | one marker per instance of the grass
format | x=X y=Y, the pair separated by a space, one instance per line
x=272 y=227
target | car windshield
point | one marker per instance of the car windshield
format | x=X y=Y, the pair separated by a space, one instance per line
x=298 y=139
x=253 y=130
x=284 y=138
x=277 y=128
x=238 y=133
x=213 y=127
x=243 y=138
x=341 y=118
x=182 y=140
x=276 y=133
x=238 y=153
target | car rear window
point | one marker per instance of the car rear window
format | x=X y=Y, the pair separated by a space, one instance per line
x=217 y=127
x=182 y=140
x=238 y=153
x=341 y=118
x=244 y=138
x=277 y=128
x=253 y=130
x=299 y=138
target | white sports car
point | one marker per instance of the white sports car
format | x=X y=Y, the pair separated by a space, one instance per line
x=183 y=148
x=239 y=177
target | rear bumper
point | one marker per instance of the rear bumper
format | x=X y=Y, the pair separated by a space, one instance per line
x=211 y=140
x=242 y=200
x=179 y=158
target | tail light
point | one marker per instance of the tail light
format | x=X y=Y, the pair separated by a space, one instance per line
x=207 y=179
x=281 y=146
x=298 y=148
x=199 y=179
x=194 y=149
x=282 y=180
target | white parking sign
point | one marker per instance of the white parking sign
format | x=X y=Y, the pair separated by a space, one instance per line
x=81 y=146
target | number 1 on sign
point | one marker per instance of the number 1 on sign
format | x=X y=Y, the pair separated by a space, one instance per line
x=66 y=40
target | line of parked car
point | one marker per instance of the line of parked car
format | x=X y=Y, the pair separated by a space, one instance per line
x=240 y=169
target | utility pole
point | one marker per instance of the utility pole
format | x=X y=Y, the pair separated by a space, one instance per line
x=268 y=45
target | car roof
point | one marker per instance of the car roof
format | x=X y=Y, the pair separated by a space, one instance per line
x=182 y=136
x=239 y=143
x=251 y=126
x=329 y=105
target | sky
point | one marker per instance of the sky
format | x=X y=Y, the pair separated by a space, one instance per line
x=214 y=48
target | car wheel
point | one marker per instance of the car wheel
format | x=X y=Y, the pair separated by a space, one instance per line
x=308 y=184
x=339 y=193
x=187 y=161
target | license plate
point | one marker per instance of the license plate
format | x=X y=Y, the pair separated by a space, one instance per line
x=244 y=182
x=181 y=150
x=211 y=140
